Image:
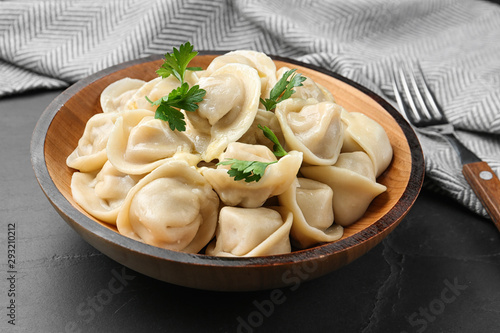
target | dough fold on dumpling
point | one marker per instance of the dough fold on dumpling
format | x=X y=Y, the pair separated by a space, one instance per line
x=259 y=61
x=115 y=97
x=277 y=177
x=316 y=129
x=365 y=134
x=90 y=154
x=173 y=207
x=251 y=232
x=139 y=142
x=227 y=110
x=352 y=180
x=102 y=193
x=311 y=205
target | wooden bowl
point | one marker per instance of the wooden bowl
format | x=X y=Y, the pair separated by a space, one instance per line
x=62 y=123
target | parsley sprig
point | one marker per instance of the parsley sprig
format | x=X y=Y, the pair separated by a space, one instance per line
x=183 y=97
x=283 y=89
x=176 y=63
x=250 y=171
x=278 y=149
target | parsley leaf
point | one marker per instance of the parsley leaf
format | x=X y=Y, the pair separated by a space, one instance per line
x=278 y=149
x=176 y=63
x=168 y=107
x=246 y=170
x=283 y=89
x=181 y=98
x=254 y=170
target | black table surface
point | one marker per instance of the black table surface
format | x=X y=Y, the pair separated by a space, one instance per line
x=438 y=271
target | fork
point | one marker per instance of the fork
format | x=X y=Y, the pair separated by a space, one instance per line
x=422 y=110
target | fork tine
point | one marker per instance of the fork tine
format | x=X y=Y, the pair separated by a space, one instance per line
x=434 y=107
x=416 y=90
x=399 y=97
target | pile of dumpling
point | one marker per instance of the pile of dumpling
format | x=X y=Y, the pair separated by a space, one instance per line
x=163 y=187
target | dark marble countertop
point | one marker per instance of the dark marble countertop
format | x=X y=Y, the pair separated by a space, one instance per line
x=438 y=271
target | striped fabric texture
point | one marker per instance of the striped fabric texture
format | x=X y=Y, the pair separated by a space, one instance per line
x=51 y=44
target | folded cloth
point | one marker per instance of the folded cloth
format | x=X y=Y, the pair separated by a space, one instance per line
x=51 y=44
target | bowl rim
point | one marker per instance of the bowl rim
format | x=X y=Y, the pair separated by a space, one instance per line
x=78 y=220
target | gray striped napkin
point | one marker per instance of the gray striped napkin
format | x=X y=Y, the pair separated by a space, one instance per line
x=51 y=44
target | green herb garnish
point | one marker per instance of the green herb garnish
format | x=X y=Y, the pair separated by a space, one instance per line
x=278 y=149
x=246 y=170
x=283 y=89
x=250 y=171
x=168 y=107
x=181 y=98
x=176 y=63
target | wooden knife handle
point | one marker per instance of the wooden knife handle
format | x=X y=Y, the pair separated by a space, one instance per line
x=486 y=185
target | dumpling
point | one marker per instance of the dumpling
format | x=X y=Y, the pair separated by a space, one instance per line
x=311 y=205
x=173 y=207
x=365 y=134
x=139 y=142
x=316 y=129
x=352 y=180
x=138 y=100
x=309 y=89
x=251 y=232
x=90 y=154
x=102 y=193
x=114 y=98
x=277 y=177
x=227 y=110
x=260 y=61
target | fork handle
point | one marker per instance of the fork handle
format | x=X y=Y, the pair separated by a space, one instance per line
x=486 y=185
